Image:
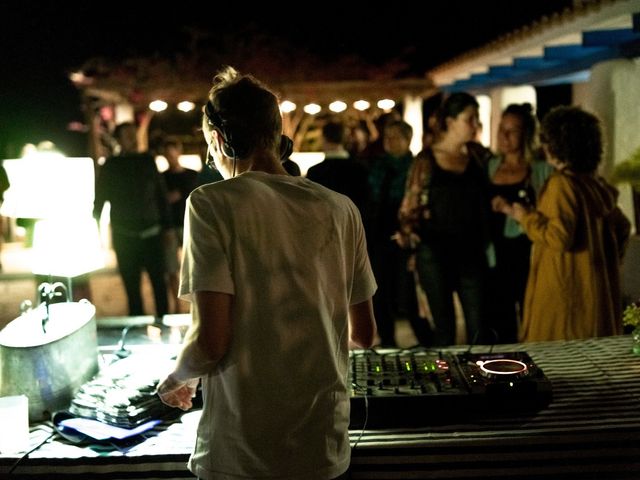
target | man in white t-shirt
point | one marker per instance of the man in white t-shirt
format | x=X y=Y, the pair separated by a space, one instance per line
x=277 y=271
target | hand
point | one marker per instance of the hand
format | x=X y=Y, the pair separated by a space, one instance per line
x=176 y=393
x=518 y=211
x=169 y=237
x=406 y=241
x=499 y=204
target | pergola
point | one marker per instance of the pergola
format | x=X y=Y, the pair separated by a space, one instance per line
x=115 y=91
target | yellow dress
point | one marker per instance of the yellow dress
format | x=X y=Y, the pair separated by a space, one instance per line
x=579 y=236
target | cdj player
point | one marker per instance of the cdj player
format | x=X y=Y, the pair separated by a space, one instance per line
x=396 y=388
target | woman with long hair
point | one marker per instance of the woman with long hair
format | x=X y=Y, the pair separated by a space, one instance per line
x=444 y=215
x=517 y=174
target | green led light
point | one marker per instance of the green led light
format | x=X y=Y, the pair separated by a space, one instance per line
x=378 y=368
x=407 y=366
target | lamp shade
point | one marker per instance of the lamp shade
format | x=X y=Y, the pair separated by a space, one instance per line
x=47 y=185
x=66 y=247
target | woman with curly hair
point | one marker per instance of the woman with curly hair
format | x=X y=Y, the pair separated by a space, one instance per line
x=579 y=236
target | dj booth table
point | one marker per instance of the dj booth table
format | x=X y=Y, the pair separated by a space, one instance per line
x=590 y=430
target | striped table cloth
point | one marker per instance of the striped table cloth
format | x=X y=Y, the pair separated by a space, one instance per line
x=590 y=430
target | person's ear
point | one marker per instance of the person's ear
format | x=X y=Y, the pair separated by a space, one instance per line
x=448 y=121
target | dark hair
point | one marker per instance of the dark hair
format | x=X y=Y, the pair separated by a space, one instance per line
x=333 y=132
x=172 y=142
x=248 y=110
x=122 y=127
x=573 y=136
x=403 y=127
x=524 y=111
x=453 y=106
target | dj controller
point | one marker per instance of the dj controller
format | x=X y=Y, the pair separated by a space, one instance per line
x=396 y=388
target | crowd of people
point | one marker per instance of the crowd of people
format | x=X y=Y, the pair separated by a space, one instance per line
x=529 y=237
x=284 y=273
x=457 y=221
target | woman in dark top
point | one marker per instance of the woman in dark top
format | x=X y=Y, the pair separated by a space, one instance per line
x=516 y=175
x=445 y=215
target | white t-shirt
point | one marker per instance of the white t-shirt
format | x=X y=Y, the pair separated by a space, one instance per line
x=293 y=254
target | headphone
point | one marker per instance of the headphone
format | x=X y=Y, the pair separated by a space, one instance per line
x=216 y=121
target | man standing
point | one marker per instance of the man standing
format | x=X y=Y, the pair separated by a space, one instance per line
x=140 y=218
x=338 y=171
x=277 y=271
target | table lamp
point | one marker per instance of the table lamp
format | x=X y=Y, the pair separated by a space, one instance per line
x=66 y=247
x=57 y=192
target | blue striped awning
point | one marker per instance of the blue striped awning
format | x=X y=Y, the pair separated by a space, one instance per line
x=562 y=63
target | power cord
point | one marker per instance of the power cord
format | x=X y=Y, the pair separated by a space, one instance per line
x=360 y=388
x=366 y=413
x=47 y=439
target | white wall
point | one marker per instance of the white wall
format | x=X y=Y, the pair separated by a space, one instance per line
x=614 y=96
x=413 y=116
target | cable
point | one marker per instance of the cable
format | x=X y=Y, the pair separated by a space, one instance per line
x=15 y=465
x=358 y=387
x=366 y=413
x=495 y=339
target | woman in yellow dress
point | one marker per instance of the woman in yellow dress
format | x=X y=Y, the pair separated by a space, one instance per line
x=579 y=235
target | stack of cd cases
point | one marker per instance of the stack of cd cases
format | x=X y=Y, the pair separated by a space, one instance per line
x=123 y=393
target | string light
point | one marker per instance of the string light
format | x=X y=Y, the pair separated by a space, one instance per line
x=361 y=105
x=312 y=108
x=186 y=106
x=337 y=106
x=158 y=106
x=286 y=106
x=386 y=104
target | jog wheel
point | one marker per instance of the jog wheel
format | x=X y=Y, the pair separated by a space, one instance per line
x=503 y=369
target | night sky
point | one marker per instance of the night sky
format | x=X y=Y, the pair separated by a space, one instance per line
x=41 y=42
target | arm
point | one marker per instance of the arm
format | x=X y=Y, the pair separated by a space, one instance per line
x=621 y=230
x=362 y=325
x=554 y=221
x=206 y=343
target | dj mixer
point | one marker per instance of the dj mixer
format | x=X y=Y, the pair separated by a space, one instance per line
x=395 y=388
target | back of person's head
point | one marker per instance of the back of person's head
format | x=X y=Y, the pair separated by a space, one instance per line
x=574 y=137
x=524 y=111
x=127 y=138
x=172 y=150
x=454 y=105
x=402 y=127
x=244 y=111
x=357 y=139
x=173 y=144
x=397 y=138
x=333 y=132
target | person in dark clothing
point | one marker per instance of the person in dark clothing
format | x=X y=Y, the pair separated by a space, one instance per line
x=140 y=218
x=396 y=295
x=338 y=171
x=180 y=183
x=445 y=215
